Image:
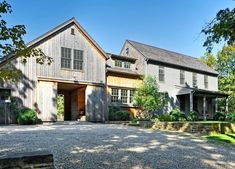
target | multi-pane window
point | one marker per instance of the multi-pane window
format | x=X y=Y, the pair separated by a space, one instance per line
x=194 y=79
x=77 y=59
x=206 y=81
x=182 y=77
x=114 y=95
x=131 y=96
x=161 y=74
x=118 y=63
x=65 y=57
x=124 y=96
x=127 y=65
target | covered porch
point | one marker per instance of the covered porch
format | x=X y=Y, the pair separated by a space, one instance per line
x=202 y=101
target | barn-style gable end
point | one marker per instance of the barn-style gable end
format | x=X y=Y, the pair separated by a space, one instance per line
x=77 y=73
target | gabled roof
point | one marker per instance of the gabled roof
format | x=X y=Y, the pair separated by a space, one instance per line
x=172 y=58
x=58 y=28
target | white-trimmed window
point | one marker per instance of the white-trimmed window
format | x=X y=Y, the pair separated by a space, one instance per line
x=206 y=81
x=161 y=73
x=127 y=65
x=118 y=63
x=182 y=77
x=124 y=96
x=194 y=79
x=114 y=95
x=65 y=57
x=77 y=59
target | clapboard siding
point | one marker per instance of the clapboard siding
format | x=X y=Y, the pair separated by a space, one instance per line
x=94 y=62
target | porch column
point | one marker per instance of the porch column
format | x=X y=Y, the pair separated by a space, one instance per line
x=216 y=104
x=191 y=102
x=226 y=105
x=204 y=107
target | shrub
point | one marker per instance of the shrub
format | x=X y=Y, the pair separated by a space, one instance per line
x=231 y=116
x=119 y=116
x=115 y=114
x=220 y=116
x=193 y=116
x=177 y=115
x=26 y=117
x=164 y=117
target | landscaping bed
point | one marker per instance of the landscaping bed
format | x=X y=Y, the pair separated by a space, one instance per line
x=197 y=127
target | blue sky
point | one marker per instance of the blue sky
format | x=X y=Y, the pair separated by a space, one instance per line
x=171 y=24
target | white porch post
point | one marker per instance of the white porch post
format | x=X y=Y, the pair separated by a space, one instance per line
x=216 y=104
x=226 y=105
x=204 y=107
x=191 y=101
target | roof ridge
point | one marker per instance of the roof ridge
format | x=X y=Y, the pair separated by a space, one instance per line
x=163 y=49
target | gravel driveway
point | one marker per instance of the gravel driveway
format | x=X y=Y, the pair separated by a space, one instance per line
x=116 y=146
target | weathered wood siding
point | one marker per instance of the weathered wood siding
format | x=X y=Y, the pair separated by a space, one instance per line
x=94 y=62
x=47 y=101
x=95 y=103
x=140 y=62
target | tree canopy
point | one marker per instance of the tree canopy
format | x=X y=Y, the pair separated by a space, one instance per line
x=221 y=28
x=12 y=44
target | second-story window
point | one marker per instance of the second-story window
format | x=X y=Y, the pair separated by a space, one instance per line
x=161 y=73
x=65 y=57
x=182 y=77
x=77 y=59
x=206 y=81
x=127 y=65
x=194 y=79
x=118 y=63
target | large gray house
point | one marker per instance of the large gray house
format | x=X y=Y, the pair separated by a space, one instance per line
x=80 y=72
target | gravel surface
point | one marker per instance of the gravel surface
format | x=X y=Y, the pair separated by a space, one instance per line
x=116 y=146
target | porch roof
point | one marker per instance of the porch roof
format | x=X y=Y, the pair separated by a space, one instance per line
x=201 y=92
x=209 y=93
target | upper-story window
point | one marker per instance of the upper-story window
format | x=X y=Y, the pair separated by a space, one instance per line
x=123 y=64
x=182 y=77
x=65 y=57
x=118 y=63
x=206 y=81
x=194 y=79
x=127 y=51
x=161 y=73
x=77 y=59
x=127 y=65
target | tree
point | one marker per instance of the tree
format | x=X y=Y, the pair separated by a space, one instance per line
x=12 y=43
x=147 y=97
x=209 y=60
x=226 y=69
x=221 y=28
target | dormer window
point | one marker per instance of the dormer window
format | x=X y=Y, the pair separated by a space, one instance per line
x=122 y=64
x=118 y=63
x=127 y=65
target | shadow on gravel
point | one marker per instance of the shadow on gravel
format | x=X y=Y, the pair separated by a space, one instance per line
x=115 y=146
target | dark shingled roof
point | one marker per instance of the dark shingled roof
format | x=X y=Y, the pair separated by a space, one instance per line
x=169 y=57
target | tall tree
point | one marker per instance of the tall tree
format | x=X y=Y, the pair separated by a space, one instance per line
x=226 y=69
x=221 y=28
x=12 y=43
x=209 y=60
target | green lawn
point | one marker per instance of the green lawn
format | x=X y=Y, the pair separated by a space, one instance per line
x=228 y=138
